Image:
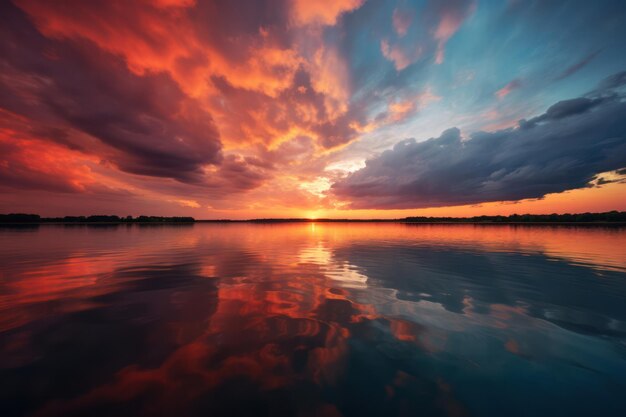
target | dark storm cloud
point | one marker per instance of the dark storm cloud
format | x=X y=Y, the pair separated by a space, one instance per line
x=563 y=109
x=615 y=81
x=148 y=125
x=559 y=150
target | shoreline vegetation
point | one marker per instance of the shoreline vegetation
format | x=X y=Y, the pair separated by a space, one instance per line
x=611 y=217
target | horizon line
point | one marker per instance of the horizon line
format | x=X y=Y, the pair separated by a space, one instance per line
x=613 y=216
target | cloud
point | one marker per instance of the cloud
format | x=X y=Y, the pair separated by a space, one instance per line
x=29 y=165
x=248 y=42
x=506 y=90
x=571 y=70
x=144 y=123
x=401 y=21
x=452 y=14
x=435 y=24
x=253 y=48
x=611 y=83
x=322 y=12
x=562 y=149
x=186 y=203
x=221 y=97
x=236 y=173
x=563 y=109
x=308 y=107
x=404 y=105
x=400 y=57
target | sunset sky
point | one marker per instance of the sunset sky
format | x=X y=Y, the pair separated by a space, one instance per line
x=301 y=108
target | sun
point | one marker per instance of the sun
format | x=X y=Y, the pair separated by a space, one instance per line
x=313 y=215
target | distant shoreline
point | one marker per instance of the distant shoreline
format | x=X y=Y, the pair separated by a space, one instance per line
x=234 y=222
x=600 y=219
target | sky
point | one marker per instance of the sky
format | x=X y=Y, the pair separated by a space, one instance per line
x=300 y=108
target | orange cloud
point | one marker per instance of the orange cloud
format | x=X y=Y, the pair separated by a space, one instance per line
x=400 y=110
x=321 y=12
x=396 y=55
x=329 y=76
x=166 y=39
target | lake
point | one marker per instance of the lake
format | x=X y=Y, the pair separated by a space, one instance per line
x=312 y=319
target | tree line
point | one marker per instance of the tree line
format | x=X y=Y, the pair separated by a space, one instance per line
x=607 y=217
x=35 y=218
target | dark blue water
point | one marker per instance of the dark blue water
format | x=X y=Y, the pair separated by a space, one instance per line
x=312 y=320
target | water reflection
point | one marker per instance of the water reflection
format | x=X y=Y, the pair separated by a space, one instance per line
x=335 y=319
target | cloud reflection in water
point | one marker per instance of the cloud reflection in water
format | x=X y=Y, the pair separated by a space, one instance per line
x=342 y=319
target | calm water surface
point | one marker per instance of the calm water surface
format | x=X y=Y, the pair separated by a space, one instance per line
x=312 y=320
